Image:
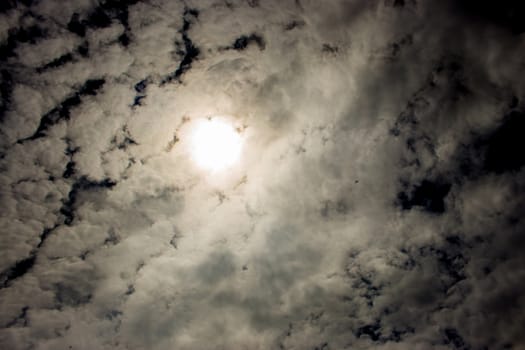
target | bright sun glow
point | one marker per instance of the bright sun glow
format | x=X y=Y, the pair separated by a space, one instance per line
x=215 y=144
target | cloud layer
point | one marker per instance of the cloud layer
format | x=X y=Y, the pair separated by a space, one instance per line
x=378 y=202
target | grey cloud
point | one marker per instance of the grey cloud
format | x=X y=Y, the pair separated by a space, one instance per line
x=378 y=203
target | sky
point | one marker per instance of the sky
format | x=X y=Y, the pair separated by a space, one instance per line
x=377 y=201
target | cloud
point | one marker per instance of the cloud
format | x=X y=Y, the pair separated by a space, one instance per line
x=377 y=202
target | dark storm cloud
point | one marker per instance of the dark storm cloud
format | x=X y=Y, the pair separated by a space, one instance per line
x=378 y=203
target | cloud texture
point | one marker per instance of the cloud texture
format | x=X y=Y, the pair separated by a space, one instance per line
x=378 y=203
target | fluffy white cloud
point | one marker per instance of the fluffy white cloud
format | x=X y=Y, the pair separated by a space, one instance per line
x=376 y=204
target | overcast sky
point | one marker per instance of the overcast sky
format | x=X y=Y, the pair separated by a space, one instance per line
x=377 y=203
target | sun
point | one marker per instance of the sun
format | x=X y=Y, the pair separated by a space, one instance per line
x=215 y=144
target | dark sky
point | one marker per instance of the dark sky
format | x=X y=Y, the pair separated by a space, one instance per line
x=377 y=203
